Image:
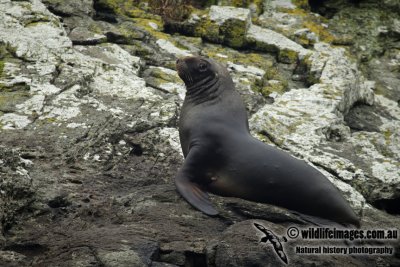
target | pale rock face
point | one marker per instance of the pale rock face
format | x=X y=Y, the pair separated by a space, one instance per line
x=220 y=14
x=283 y=3
x=82 y=35
x=275 y=40
x=171 y=48
x=14 y=121
x=246 y=69
x=108 y=70
x=40 y=41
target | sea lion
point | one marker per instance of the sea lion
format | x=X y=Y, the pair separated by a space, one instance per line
x=223 y=158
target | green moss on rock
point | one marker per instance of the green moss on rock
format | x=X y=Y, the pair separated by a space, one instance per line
x=271 y=87
x=231 y=32
x=2 y=63
x=387 y=133
x=178 y=10
x=305 y=64
x=272 y=82
x=34 y=24
x=110 y=5
x=262 y=46
x=145 y=25
x=287 y=56
x=316 y=27
x=132 y=8
x=159 y=74
x=137 y=12
x=301 y=4
x=50 y=120
x=15 y=87
x=234 y=33
x=208 y=30
x=3 y=53
x=273 y=73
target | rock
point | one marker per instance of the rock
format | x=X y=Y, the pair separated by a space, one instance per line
x=232 y=22
x=272 y=87
x=162 y=264
x=17 y=192
x=223 y=24
x=13 y=259
x=270 y=41
x=42 y=40
x=81 y=36
x=383 y=71
x=14 y=121
x=125 y=33
x=239 y=245
x=233 y=27
x=171 y=48
x=380 y=150
x=306 y=37
x=220 y=15
x=246 y=69
x=120 y=258
x=283 y=4
x=165 y=79
x=363 y=118
x=255 y=6
x=62 y=8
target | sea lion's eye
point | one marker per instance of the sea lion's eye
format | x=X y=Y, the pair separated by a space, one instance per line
x=202 y=66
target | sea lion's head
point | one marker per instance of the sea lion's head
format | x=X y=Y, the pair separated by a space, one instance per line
x=193 y=70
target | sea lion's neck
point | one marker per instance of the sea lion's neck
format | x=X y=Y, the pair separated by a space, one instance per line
x=205 y=90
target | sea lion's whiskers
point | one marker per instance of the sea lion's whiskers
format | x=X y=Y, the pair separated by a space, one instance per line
x=187 y=77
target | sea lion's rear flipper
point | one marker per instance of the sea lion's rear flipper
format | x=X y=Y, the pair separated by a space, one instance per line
x=186 y=182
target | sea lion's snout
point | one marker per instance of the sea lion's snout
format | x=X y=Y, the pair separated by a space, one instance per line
x=180 y=64
x=180 y=68
x=183 y=69
x=186 y=61
x=178 y=61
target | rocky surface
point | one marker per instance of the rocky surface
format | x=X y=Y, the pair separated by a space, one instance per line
x=89 y=103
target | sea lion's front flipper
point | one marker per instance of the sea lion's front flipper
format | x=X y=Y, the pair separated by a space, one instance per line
x=194 y=195
x=185 y=181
